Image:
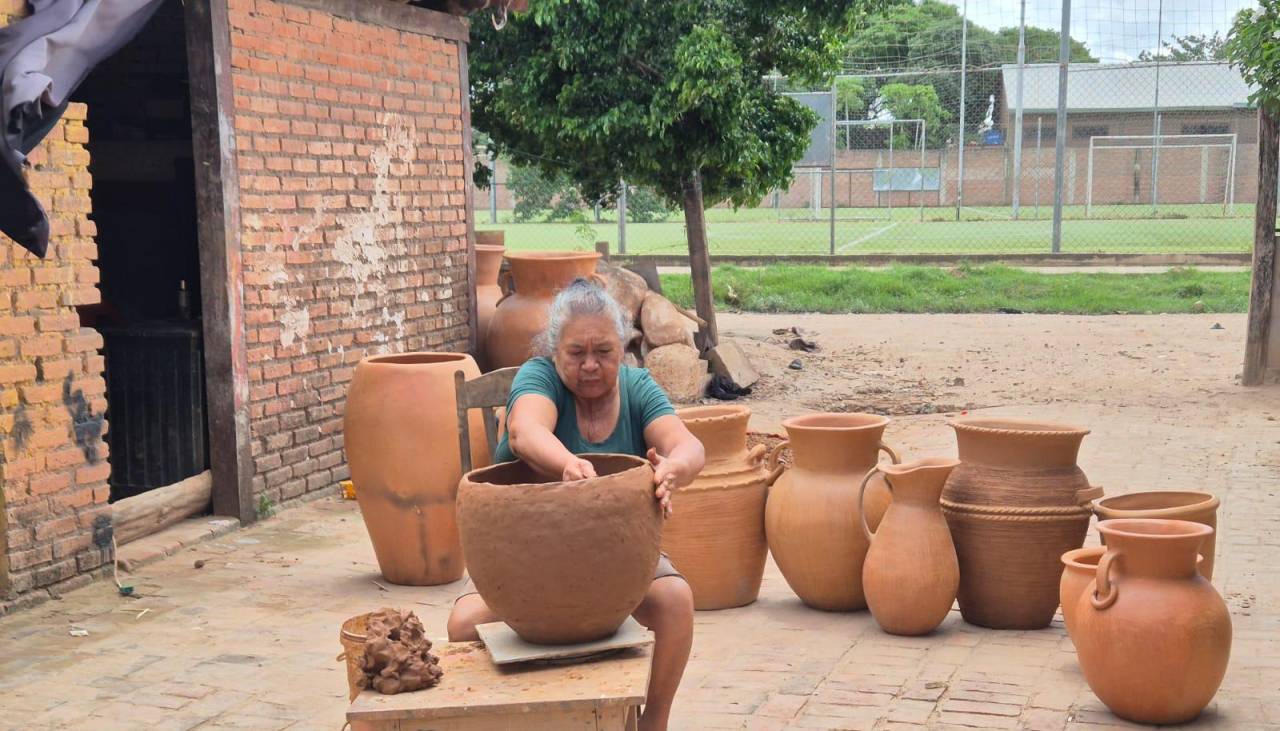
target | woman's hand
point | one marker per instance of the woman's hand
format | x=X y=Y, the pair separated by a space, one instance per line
x=664 y=477
x=578 y=469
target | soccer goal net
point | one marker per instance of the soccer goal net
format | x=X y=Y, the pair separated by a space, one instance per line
x=1161 y=170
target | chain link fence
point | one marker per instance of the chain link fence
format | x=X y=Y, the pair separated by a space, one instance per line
x=944 y=140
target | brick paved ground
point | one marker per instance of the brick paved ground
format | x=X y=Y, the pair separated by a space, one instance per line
x=249 y=640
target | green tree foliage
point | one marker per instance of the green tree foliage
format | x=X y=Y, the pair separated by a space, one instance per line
x=913 y=101
x=1192 y=47
x=1253 y=46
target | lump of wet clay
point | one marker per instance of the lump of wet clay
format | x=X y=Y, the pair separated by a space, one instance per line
x=397 y=654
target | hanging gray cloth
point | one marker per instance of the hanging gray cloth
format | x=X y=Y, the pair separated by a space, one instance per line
x=43 y=58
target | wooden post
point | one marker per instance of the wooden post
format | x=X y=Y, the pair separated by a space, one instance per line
x=699 y=261
x=1259 y=352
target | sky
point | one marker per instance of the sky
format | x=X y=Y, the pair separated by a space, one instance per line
x=1114 y=30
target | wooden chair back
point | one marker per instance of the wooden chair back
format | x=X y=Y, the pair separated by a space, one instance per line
x=487 y=393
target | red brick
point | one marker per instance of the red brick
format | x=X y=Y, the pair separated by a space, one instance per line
x=54 y=528
x=34 y=299
x=48 y=482
x=93 y=473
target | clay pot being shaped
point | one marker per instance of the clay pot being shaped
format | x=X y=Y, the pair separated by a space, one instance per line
x=521 y=317
x=489 y=250
x=811 y=516
x=401 y=437
x=1198 y=507
x=1016 y=503
x=716 y=532
x=1079 y=566
x=1154 y=636
x=562 y=562
x=911 y=574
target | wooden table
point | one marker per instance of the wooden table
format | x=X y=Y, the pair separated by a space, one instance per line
x=475 y=695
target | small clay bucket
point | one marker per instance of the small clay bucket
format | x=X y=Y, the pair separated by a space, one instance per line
x=1192 y=505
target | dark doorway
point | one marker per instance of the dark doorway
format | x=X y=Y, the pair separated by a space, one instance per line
x=144 y=208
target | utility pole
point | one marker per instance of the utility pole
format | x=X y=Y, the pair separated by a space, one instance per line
x=964 y=67
x=1060 y=139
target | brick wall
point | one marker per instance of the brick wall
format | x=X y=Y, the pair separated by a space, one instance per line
x=53 y=460
x=352 y=197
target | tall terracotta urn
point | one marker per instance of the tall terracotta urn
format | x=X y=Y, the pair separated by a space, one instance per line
x=1078 y=569
x=812 y=515
x=1198 y=507
x=489 y=248
x=715 y=536
x=1154 y=636
x=562 y=562
x=537 y=277
x=1016 y=503
x=911 y=574
x=401 y=438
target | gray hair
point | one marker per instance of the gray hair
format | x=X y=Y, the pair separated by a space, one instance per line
x=582 y=297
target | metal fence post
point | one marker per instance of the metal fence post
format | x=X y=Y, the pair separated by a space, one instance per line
x=622 y=217
x=1017 y=115
x=1060 y=139
x=493 y=189
x=964 y=64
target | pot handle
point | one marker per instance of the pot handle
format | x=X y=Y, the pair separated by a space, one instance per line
x=771 y=464
x=862 y=494
x=1105 y=592
x=504 y=285
x=1089 y=494
x=893 y=455
x=757 y=454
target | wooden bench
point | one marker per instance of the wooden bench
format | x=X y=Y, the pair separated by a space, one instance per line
x=603 y=694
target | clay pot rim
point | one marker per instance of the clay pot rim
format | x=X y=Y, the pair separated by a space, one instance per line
x=915 y=464
x=475 y=476
x=1072 y=558
x=491 y=248
x=854 y=421
x=1160 y=529
x=552 y=255
x=714 y=413
x=1017 y=427
x=1203 y=501
x=416 y=358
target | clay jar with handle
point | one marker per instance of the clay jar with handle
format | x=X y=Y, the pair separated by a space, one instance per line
x=562 y=562
x=1198 y=507
x=489 y=248
x=911 y=574
x=519 y=318
x=1078 y=568
x=400 y=432
x=715 y=535
x=1016 y=503
x=812 y=515
x=1154 y=636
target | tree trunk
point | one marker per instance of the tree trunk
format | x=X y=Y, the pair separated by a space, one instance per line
x=1258 y=357
x=699 y=262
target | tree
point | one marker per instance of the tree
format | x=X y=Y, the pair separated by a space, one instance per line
x=669 y=95
x=1190 y=48
x=913 y=101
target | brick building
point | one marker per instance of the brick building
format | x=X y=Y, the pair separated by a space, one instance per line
x=300 y=169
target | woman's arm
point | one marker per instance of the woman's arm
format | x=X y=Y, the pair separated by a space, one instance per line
x=682 y=453
x=531 y=436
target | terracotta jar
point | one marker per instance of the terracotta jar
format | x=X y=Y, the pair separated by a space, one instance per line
x=1016 y=503
x=811 y=517
x=715 y=535
x=401 y=437
x=1079 y=566
x=911 y=574
x=522 y=316
x=489 y=248
x=1198 y=507
x=1154 y=636
x=562 y=562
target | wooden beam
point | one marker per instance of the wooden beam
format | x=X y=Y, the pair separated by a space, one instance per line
x=226 y=363
x=1258 y=356
x=695 y=222
x=141 y=515
x=394 y=15
x=469 y=189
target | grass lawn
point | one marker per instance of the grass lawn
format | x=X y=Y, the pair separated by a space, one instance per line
x=762 y=231
x=965 y=289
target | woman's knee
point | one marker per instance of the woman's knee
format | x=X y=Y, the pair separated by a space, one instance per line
x=467 y=612
x=668 y=604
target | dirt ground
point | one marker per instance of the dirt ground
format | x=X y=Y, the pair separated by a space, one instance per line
x=248 y=639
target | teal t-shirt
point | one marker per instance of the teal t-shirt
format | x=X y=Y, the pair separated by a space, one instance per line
x=641 y=400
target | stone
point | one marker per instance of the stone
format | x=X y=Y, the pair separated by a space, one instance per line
x=727 y=359
x=663 y=324
x=626 y=287
x=679 y=371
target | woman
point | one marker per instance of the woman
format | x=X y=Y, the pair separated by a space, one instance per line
x=579 y=398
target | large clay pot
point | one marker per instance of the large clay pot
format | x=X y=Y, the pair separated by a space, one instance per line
x=716 y=532
x=1016 y=503
x=1078 y=568
x=522 y=316
x=489 y=250
x=911 y=574
x=562 y=562
x=811 y=517
x=1154 y=636
x=1198 y=507
x=401 y=436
